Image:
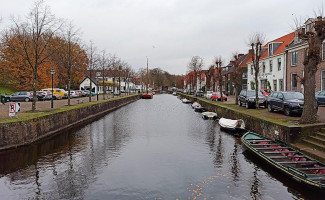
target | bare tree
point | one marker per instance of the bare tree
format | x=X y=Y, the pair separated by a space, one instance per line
x=236 y=74
x=194 y=66
x=314 y=37
x=69 y=52
x=218 y=65
x=256 y=41
x=91 y=52
x=34 y=38
x=103 y=63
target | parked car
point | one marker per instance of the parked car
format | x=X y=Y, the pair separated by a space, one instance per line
x=21 y=96
x=289 y=102
x=216 y=96
x=320 y=97
x=74 y=94
x=57 y=91
x=198 y=93
x=42 y=95
x=208 y=95
x=248 y=97
x=266 y=92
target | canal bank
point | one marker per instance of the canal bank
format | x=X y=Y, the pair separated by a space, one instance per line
x=25 y=131
x=289 y=131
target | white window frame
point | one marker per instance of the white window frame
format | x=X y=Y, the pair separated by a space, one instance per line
x=271 y=65
x=270 y=49
x=279 y=64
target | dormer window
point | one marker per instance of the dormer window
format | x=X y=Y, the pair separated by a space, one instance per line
x=270 y=49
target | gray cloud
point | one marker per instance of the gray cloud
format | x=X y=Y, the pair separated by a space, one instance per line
x=179 y=29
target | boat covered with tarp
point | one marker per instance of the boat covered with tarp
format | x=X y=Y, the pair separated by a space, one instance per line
x=237 y=125
x=209 y=115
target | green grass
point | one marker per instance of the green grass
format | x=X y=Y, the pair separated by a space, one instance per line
x=38 y=114
x=6 y=91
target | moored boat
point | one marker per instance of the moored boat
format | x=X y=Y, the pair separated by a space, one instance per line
x=186 y=100
x=195 y=104
x=200 y=109
x=209 y=115
x=174 y=93
x=299 y=167
x=237 y=125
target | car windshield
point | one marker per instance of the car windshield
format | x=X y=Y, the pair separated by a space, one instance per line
x=293 y=95
x=267 y=90
x=209 y=92
x=252 y=93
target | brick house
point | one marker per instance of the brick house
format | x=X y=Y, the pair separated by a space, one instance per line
x=295 y=68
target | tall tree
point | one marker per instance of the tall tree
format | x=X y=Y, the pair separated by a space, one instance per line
x=256 y=41
x=91 y=53
x=194 y=66
x=218 y=65
x=68 y=53
x=314 y=37
x=33 y=37
x=237 y=74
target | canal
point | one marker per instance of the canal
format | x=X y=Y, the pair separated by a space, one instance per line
x=150 y=149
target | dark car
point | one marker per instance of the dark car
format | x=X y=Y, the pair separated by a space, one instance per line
x=21 y=96
x=248 y=97
x=42 y=95
x=198 y=93
x=320 y=97
x=289 y=102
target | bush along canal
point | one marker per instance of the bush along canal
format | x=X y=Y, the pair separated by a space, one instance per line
x=150 y=149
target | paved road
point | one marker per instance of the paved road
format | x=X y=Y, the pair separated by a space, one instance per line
x=42 y=106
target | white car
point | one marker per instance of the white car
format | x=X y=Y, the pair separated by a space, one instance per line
x=73 y=94
x=208 y=95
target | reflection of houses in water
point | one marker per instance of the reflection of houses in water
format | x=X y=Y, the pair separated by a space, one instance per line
x=235 y=168
x=255 y=192
x=72 y=160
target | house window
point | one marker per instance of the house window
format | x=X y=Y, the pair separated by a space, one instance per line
x=281 y=84
x=275 y=86
x=279 y=64
x=263 y=67
x=251 y=69
x=270 y=49
x=323 y=80
x=294 y=80
x=294 y=58
x=271 y=65
x=323 y=51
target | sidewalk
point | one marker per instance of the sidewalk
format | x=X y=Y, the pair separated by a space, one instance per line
x=44 y=106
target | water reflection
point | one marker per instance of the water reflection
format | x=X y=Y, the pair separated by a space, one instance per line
x=169 y=152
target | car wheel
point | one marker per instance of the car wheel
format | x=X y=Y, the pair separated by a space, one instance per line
x=225 y=99
x=239 y=103
x=269 y=107
x=287 y=111
x=247 y=105
x=26 y=99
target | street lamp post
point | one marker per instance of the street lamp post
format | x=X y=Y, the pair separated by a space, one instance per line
x=52 y=73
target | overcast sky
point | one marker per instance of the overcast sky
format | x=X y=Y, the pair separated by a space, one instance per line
x=170 y=32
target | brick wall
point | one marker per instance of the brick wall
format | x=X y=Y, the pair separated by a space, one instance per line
x=298 y=69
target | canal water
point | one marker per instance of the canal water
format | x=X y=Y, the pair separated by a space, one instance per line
x=149 y=149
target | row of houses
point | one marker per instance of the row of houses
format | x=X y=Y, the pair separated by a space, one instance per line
x=281 y=67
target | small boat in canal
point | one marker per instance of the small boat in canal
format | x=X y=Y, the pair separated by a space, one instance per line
x=195 y=104
x=186 y=100
x=235 y=126
x=174 y=93
x=289 y=161
x=209 y=115
x=200 y=109
x=147 y=95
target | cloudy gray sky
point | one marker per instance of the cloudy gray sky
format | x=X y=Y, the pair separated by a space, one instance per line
x=170 y=32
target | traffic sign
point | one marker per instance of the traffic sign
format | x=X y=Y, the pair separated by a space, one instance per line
x=13 y=109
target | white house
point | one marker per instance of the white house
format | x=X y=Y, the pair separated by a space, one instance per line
x=85 y=85
x=272 y=66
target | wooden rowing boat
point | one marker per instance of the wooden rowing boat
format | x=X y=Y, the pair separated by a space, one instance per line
x=209 y=115
x=290 y=161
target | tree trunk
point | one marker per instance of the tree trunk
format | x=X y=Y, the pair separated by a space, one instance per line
x=69 y=85
x=309 y=114
x=90 y=86
x=256 y=89
x=236 y=93
x=34 y=89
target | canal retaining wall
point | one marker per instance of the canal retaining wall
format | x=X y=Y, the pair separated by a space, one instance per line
x=263 y=126
x=15 y=134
